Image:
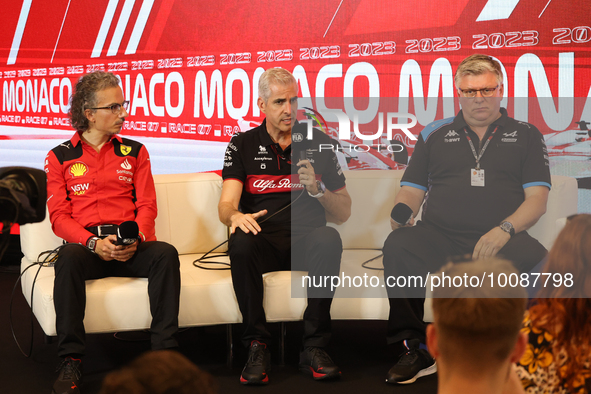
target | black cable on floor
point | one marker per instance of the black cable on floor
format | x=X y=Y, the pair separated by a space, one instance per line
x=364 y=264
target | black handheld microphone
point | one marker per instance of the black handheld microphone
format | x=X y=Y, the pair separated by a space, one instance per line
x=401 y=214
x=302 y=155
x=127 y=233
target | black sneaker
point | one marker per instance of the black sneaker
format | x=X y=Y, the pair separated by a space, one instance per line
x=70 y=377
x=314 y=361
x=412 y=364
x=257 y=365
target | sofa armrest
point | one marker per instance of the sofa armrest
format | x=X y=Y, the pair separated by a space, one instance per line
x=37 y=238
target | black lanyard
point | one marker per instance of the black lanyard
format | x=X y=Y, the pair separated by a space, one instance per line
x=479 y=156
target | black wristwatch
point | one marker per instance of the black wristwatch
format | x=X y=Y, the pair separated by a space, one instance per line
x=507 y=227
x=91 y=243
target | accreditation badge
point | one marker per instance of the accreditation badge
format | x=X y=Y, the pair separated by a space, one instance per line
x=477 y=177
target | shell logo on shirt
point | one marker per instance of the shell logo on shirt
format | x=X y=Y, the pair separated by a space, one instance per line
x=78 y=169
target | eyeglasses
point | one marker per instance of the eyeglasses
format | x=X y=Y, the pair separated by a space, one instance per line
x=115 y=108
x=471 y=93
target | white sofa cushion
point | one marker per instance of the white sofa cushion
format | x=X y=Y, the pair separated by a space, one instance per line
x=187 y=211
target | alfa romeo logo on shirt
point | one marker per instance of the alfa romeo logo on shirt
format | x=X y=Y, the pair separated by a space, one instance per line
x=125 y=149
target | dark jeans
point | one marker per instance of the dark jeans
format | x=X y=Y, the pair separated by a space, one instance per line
x=157 y=261
x=415 y=251
x=318 y=252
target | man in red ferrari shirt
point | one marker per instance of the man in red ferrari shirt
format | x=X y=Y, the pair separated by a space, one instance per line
x=96 y=181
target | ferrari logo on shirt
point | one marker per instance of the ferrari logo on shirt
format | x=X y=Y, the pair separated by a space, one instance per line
x=125 y=150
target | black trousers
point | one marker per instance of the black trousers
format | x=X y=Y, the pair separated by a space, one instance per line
x=157 y=261
x=415 y=251
x=317 y=251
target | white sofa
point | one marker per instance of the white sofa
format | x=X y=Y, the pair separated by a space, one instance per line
x=187 y=218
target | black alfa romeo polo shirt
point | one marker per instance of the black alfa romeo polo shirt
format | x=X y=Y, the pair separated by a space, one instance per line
x=269 y=175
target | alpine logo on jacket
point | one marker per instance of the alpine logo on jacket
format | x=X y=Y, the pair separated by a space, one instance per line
x=510 y=137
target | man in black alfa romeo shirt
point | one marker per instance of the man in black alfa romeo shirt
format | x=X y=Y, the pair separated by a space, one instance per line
x=484 y=179
x=263 y=172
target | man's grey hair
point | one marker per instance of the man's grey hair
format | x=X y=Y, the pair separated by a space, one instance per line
x=276 y=76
